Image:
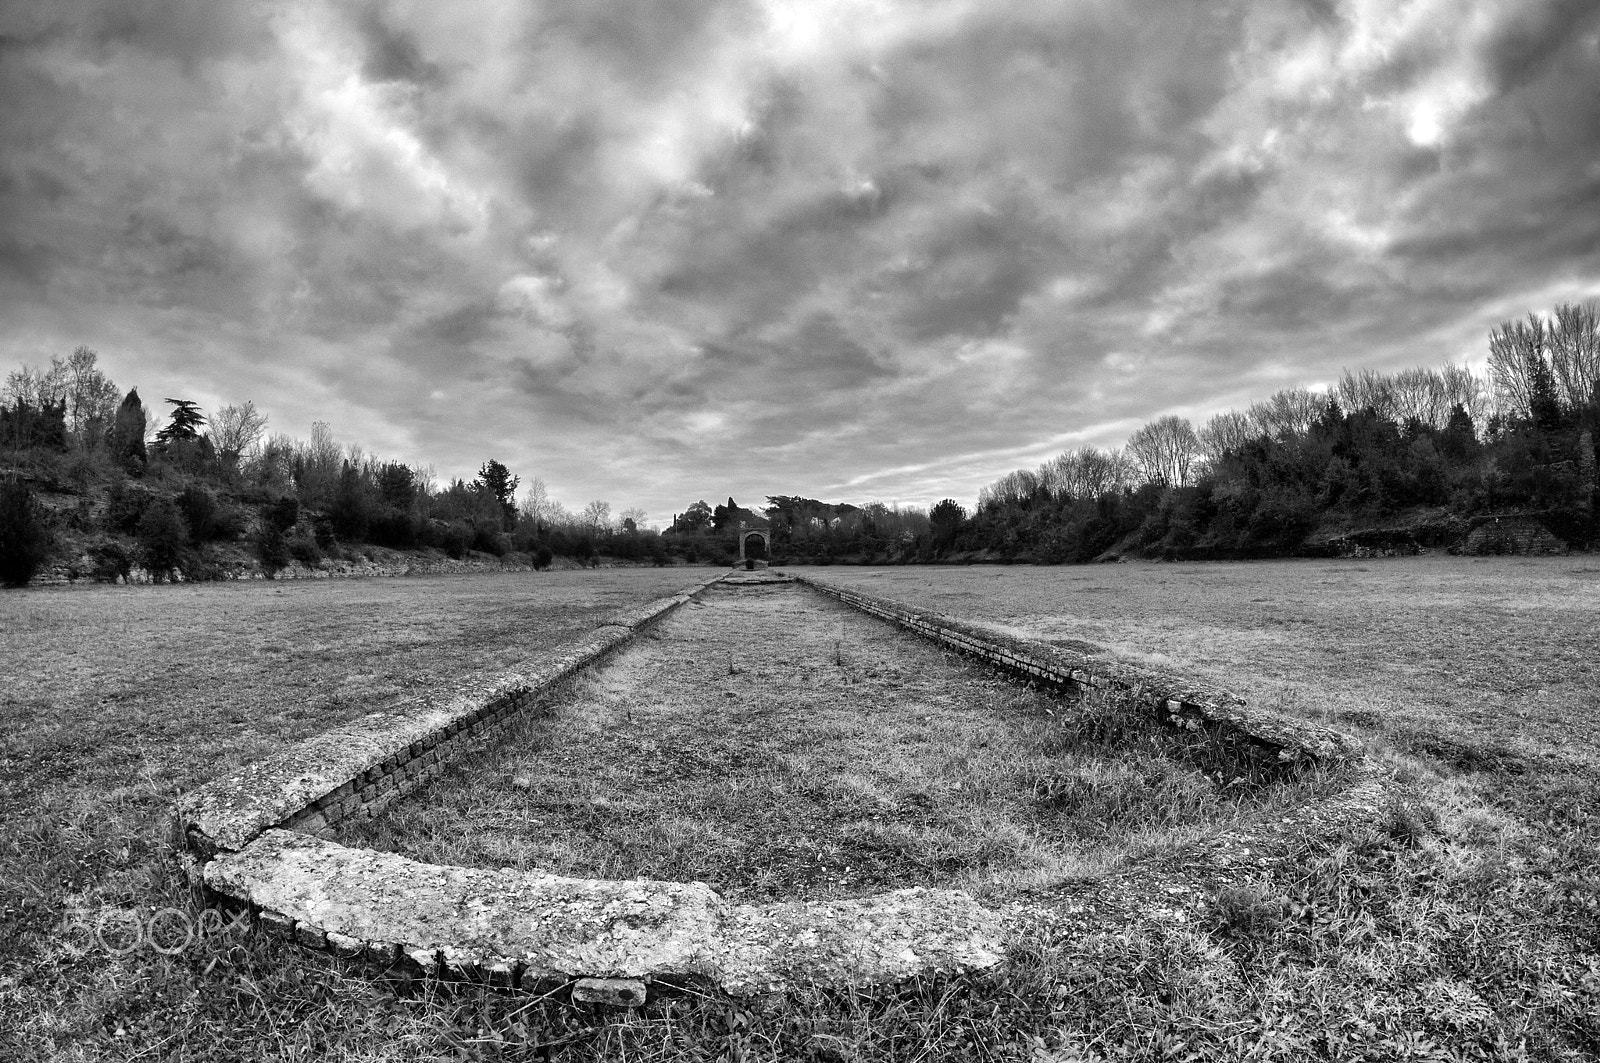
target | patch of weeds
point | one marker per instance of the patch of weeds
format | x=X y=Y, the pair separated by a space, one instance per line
x=1247 y=913
x=1120 y=720
x=1410 y=822
x=1140 y=789
x=1471 y=756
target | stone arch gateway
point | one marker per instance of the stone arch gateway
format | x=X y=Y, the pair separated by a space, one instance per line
x=754 y=533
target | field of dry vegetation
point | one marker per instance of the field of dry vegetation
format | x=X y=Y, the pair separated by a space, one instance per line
x=1469 y=930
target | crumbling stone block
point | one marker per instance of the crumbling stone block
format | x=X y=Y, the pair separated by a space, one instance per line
x=277 y=924
x=616 y=992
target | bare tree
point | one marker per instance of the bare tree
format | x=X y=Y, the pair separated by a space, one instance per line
x=1289 y=412
x=1514 y=348
x=1366 y=390
x=1229 y=430
x=427 y=480
x=1164 y=450
x=535 y=504
x=1010 y=489
x=271 y=464
x=92 y=399
x=1420 y=395
x=1464 y=388
x=236 y=430
x=632 y=519
x=1086 y=472
x=31 y=386
x=319 y=463
x=1124 y=468
x=1574 y=343
x=597 y=515
x=76 y=381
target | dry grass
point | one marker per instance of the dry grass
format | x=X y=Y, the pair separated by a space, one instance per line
x=1497 y=654
x=777 y=744
x=173 y=684
x=1470 y=930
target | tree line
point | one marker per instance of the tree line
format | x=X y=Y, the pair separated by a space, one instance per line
x=130 y=486
x=1420 y=452
x=1447 y=442
x=1429 y=447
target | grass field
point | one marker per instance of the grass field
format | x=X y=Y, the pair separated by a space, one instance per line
x=1470 y=930
x=1497 y=656
x=777 y=744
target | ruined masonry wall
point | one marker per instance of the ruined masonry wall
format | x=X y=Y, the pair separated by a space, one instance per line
x=1172 y=698
x=358 y=770
x=260 y=839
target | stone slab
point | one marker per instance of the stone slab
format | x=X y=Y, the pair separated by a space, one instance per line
x=548 y=926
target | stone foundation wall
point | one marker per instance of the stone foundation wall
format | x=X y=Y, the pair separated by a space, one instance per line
x=1510 y=535
x=1269 y=740
x=259 y=840
x=358 y=770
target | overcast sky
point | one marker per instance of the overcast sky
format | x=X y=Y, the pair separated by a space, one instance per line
x=659 y=250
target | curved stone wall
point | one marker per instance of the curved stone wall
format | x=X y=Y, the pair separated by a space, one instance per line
x=261 y=839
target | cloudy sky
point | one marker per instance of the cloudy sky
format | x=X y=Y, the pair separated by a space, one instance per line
x=660 y=250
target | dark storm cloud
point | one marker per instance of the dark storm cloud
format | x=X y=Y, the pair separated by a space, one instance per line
x=852 y=245
x=1523 y=46
x=391 y=53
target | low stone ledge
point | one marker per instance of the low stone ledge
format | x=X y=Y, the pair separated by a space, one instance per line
x=337 y=774
x=1171 y=697
x=493 y=922
x=512 y=928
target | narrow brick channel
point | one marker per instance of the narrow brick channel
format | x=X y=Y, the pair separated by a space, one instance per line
x=779 y=745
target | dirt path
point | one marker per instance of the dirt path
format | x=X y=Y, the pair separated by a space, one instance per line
x=775 y=743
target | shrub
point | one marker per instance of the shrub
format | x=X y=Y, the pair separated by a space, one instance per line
x=199 y=511
x=86 y=467
x=281 y=513
x=305 y=549
x=112 y=561
x=454 y=538
x=488 y=539
x=272 y=549
x=542 y=556
x=393 y=527
x=24 y=534
x=127 y=506
x=230 y=522
x=163 y=538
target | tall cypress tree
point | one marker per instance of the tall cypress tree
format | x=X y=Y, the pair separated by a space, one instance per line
x=127 y=435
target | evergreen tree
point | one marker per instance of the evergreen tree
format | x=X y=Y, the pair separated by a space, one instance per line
x=127 y=435
x=185 y=424
x=397 y=485
x=945 y=519
x=496 y=481
x=1544 y=399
